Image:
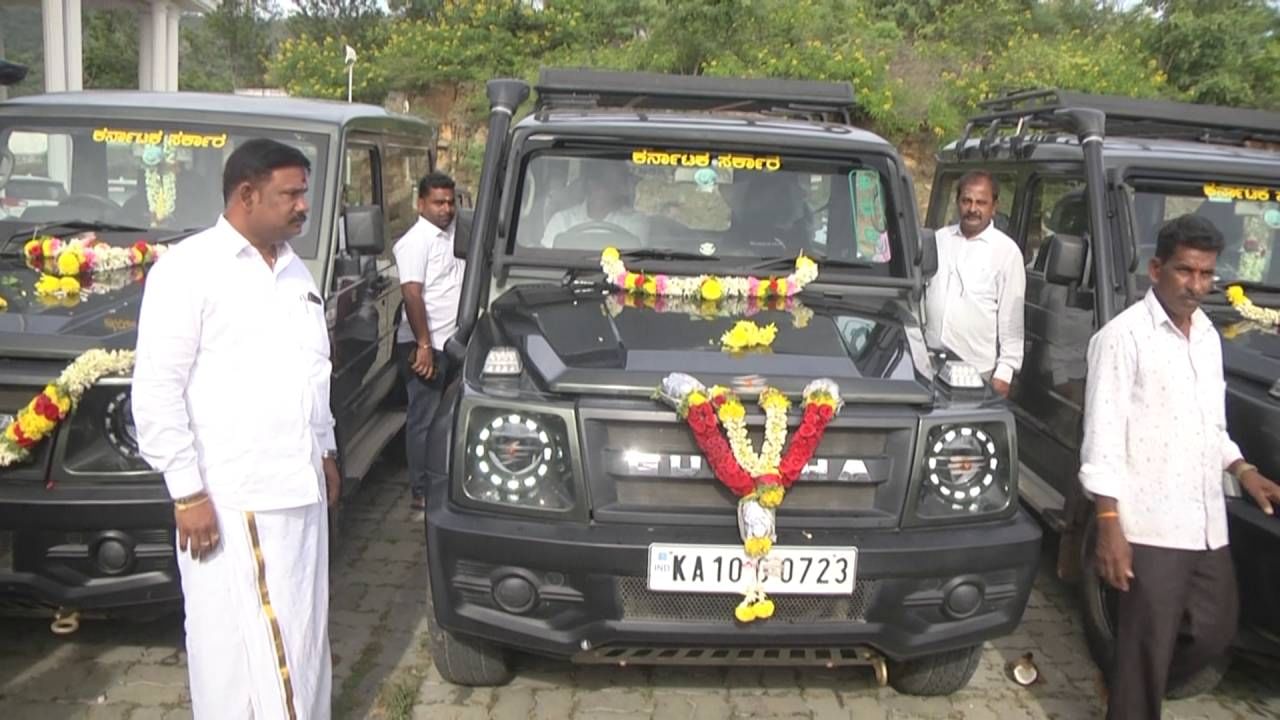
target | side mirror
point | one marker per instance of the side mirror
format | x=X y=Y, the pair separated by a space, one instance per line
x=1065 y=260
x=11 y=73
x=928 y=253
x=462 y=233
x=366 y=230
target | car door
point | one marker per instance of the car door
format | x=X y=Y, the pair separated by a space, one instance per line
x=1048 y=394
x=357 y=297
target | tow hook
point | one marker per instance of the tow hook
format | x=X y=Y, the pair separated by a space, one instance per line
x=65 y=622
x=882 y=670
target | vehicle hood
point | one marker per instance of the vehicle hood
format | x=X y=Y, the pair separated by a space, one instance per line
x=1248 y=351
x=105 y=315
x=578 y=340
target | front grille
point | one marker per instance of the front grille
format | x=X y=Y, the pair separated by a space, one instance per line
x=828 y=657
x=638 y=602
x=678 y=479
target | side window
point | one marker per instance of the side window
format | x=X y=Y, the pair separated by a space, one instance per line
x=1004 y=204
x=357 y=182
x=1058 y=206
x=401 y=169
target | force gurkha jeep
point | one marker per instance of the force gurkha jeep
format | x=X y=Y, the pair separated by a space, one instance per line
x=1086 y=181
x=85 y=525
x=572 y=515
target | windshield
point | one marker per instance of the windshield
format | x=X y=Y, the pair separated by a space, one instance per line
x=163 y=176
x=1248 y=215
x=714 y=204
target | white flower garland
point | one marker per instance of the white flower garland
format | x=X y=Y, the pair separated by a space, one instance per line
x=733 y=416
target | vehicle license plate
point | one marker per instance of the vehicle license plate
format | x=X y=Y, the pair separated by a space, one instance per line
x=727 y=569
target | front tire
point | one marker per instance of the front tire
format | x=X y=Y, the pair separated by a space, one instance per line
x=939 y=674
x=1100 y=602
x=464 y=661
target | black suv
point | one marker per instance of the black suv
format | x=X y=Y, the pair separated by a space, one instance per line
x=85 y=525
x=1085 y=211
x=570 y=514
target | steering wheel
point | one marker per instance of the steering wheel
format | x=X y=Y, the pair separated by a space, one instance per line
x=578 y=233
x=89 y=200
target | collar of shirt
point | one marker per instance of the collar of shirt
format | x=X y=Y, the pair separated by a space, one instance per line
x=239 y=245
x=435 y=231
x=1199 y=321
x=959 y=235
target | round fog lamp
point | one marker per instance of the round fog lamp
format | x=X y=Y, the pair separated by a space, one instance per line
x=515 y=594
x=963 y=600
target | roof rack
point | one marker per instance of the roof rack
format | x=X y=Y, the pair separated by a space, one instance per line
x=1126 y=117
x=560 y=89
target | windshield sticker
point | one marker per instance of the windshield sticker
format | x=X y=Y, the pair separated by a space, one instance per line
x=732 y=161
x=1227 y=193
x=1272 y=218
x=172 y=138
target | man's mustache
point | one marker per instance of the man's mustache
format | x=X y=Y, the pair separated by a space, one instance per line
x=298 y=219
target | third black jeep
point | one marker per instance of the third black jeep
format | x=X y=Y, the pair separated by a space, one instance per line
x=1086 y=181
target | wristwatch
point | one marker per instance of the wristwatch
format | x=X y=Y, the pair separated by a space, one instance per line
x=329 y=455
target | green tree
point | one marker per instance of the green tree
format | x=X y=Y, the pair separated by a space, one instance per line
x=1224 y=52
x=232 y=44
x=110 y=49
x=356 y=22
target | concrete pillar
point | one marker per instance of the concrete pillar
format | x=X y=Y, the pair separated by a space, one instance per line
x=55 y=54
x=173 y=41
x=160 y=45
x=74 y=21
x=146 y=48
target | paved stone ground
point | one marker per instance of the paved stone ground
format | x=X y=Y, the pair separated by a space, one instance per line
x=136 y=671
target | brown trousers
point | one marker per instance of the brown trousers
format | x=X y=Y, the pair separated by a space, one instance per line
x=1178 y=617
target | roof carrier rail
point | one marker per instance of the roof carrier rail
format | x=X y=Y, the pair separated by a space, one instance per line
x=1128 y=117
x=560 y=89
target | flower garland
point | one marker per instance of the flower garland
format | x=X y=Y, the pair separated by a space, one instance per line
x=708 y=287
x=759 y=480
x=747 y=306
x=77 y=256
x=35 y=421
x=745 y=335
x=1249 y=311
x=161 y=193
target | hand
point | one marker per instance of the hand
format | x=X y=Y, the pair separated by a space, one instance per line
x=1001 y=387
x=424 y=362
x=1263 y=491
x=1114 y=556
x=332 y=481
x=197 y=530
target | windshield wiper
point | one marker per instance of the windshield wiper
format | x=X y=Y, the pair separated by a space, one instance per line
x=782 y=263
x=664 y=254
x=71 y=225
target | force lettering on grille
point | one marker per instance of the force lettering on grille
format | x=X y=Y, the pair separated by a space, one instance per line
x=635 y=463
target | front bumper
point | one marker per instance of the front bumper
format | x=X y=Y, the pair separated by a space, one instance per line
x=591 y=589
x=100 y=549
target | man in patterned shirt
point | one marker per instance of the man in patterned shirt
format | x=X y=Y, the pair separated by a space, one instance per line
x=1155 y=447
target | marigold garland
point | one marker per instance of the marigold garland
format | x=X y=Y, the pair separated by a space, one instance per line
x=78 y=256
x=1249 y=311
x=708 y=287
x=52 y=405
x=748 y=306
x=746 y=335
x=760 y=481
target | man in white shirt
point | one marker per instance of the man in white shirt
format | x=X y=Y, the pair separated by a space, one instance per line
x=1155 y=447
x=431 y=283
x=231 y=403
x=608 y=200
x=974 y=304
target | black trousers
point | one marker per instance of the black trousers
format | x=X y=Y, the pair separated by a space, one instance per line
x=1178 y=617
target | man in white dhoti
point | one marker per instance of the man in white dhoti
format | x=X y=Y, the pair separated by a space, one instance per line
x=231 y=402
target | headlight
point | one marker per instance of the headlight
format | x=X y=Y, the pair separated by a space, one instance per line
x=101 y=436
x=518 y=458
x=967 y=470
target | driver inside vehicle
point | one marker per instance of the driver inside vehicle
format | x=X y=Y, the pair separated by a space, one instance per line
x=605 y=216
